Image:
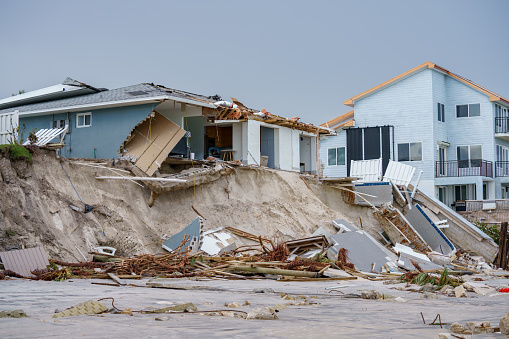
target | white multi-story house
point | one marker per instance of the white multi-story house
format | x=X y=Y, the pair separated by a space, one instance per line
x=452 y=129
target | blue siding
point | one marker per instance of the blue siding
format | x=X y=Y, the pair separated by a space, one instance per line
x=109 y=129
x=327 y=142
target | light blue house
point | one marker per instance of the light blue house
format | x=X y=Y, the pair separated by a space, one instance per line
x=452 y=129
x=98 y=121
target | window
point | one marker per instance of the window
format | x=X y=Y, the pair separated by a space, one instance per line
x=469 y=156
x=58 y=123
x=470 y=110
x=442 y=158
x=502 y=164
x=336 y=156
x=460 y=192
x=501 y=119
x=410 y=151
x=83 y=120
x=441 y=112
x=442 y=194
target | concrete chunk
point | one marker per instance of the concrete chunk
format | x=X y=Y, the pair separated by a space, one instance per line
x=460 y=292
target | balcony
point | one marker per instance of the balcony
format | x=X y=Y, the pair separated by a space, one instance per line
x=502 y=128
x=501 y=169
x=464 y=168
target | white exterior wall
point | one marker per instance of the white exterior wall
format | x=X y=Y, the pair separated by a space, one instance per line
x=332 y=141
x=237 y=145
x=410 y=105
x=286 y=144
x=251 y=138
x=406 y=105
x=472 y=130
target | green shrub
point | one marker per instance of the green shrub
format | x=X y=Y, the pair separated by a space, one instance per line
x=16 y=152
x=492 y=231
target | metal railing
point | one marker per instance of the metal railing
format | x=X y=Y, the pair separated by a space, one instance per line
x=502 y=168
x=502 y=125
x=464 y=168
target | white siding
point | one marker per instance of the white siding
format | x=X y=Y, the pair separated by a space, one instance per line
x=406 y=105
x=472 y=130
x=327 y=142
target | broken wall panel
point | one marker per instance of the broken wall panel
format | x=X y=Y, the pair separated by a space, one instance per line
x=399 y=173
x=373 y=193
x=193 y=231
x=150 y=142
x=394 y=234
x=363 y=250
x=429 y=231
x=25 y=261
x=398 y=219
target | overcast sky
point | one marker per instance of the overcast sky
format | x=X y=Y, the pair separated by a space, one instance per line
x=294 y=58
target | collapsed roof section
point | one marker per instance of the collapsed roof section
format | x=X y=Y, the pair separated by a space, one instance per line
x=239 y=112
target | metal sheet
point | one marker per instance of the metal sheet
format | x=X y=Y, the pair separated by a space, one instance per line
x=193 y=230
x=353 y=147
x=25 y=261
x=362 y=250
x=399 y=173
x=371 y=143
x=429 y=231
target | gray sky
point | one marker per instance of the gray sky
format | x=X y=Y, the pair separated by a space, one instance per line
x=294 y=58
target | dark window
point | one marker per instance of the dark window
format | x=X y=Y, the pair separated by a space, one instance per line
x=462 y=111
x=441 y=112
x=332 y=158
x=460 y=192
x=403 y=152
x=471 y=110
x=410 y=151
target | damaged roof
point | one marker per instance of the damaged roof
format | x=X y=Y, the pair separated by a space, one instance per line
x=242 y=113
x=144 y=92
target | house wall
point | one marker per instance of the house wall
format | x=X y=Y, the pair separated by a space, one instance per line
x=305 y=152
x=286 y=145
x=405 y=105
x=411 y=107
x=196 y=125
x=251 y=138
x=332 y=141
x=240 y=152
x=472 y=130
x=109 y=129
x=177 y=112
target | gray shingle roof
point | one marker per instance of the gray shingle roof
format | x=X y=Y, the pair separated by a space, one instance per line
x=139 y=91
